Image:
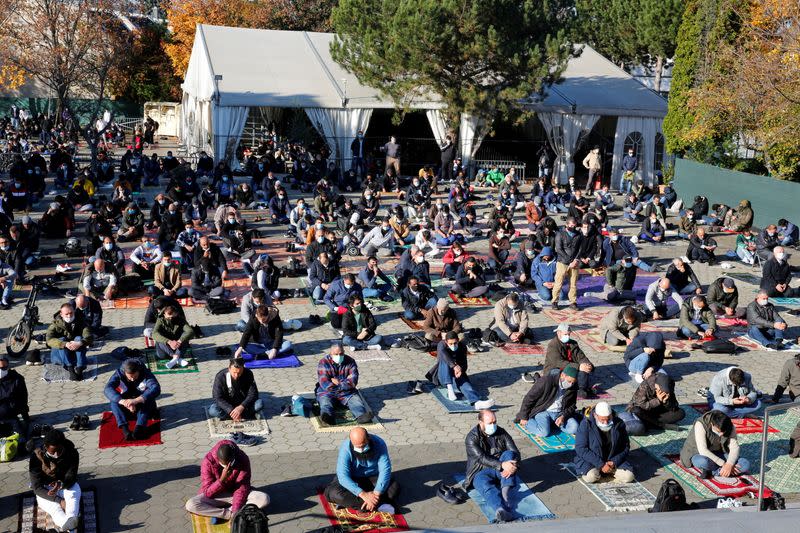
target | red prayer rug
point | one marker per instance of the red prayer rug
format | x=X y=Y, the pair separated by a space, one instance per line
x=111 y=436
x=512 y=348
x=745 y=484
x=743 y=426
x=352 y=520
x=480 y=301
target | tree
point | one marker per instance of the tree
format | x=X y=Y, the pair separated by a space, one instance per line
x=146 y=75
x=657 y=32
x=479 y=56
x=185 y=15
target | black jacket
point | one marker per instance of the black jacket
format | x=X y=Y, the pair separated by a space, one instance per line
x=66 y=470
x=775 y=273
x=253 y=331
x=93 y=316
x=13 y=396
x=243 y=391
x=679 y=279
x=716 y=295
x=566 y=246
x=483 y=451
x=651 y=339
x=349 y=328
x=542 y=395
x=465 y=282
x=415 y=303
x=216 y=256
x=319 y=273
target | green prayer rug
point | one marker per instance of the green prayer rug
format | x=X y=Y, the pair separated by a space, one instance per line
x=159 y=366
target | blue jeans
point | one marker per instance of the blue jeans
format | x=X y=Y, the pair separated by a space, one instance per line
x=318 y=293
x=640 y=363
x=733 y=412
x=353 y=403
x=626 y=186
x=646 y=237
x=787 y=241
x=556 y=208
x=240 y=326
x=9 y=287
x=249 y=413
x=361 y=345
x=633 y=425
x=416 y=315
x=688 y=289
x=489 y=481
x=64 y=357
x=378 y=291
x=546 y=294
x=765 y=336
x=502 y=255
x=144 y=412
x=463 y=384
x=689 y=334
x=163 y=351
x=701 y=462
x=543 y=424
x=447 y=241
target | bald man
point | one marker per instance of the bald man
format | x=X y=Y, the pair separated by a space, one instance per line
x=210 y=250
x=99 y=281
x=363 y=475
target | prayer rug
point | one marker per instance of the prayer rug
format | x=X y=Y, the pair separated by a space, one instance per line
x=451 y=406
x=748 y=342
x=747 y=278
x=512 y=348
x=727 y=322
x=219 y=429
x=202 y=524
x=111 y=436
x=52 y=373
x=619 y=497
x=355 y=520
x=365 y=356
x=344 y=420
x=34 y=520
x=587 y=316
x=480 y=301
x=524 y=504
x=743 y=426
x=288 y=360
x=745 y=484
x=416 y=325
x=159 y=366
x=149 y=342
x=785 y=301
x=560 y=442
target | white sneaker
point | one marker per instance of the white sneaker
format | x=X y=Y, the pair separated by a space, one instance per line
x=638 y=378
x=484 y=404
x=351 y=349
x=451 y=393
x=375 y=347
x=171 y=363
x=385 y=508
x=686 y=260
x=183 y=362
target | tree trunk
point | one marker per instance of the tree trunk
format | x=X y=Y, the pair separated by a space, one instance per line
x=658 y=74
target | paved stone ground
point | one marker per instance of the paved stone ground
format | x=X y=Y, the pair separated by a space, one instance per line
x=144 y=488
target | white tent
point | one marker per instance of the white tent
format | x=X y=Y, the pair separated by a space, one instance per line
x=234 y=69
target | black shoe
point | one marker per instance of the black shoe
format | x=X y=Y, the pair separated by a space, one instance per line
x=76 y=423
x=555 y=306
x=679 y=333
x=139 y=432
x=574 y=307
x=366 y=418
x=73 y=376
x=198 y=332
x=327 y=419
x=502 y=516
x=127 y=433
x=586 y=395
x=85 y=422
x=772 y=346
x=705 y=474
x=34 y=358
x=529 y=377
x=79 y=372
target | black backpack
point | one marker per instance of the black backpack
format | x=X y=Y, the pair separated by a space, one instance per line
x=220 y=306
x=671 y=497
x=249 y=519
x=415 y=341
x=719 y=346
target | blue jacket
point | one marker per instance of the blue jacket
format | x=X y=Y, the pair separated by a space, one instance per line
x=370 y=280
x=542 y=272
x=589 y=446
x=279 y=207
x=349 y=467
x=629 y=162
x=118 y=386
x=789 y=231
x=624 y=242
x=337 y=295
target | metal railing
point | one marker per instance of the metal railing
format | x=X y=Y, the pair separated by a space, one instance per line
x=764 y=435
x=502 y=164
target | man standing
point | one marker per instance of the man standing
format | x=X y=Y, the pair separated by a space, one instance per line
x=133 y=390
x=593 y=164
x=448 y=152
x=492 y=464
x=337 y=378
x=392 y=151
x=629 y=164
x=567 y=247
x=235 y=393
x=363 y=475
x=225 y=484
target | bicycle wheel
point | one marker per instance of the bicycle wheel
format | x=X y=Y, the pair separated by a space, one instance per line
x=18 y=339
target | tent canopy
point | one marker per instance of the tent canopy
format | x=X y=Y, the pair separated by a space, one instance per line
x=274 y=68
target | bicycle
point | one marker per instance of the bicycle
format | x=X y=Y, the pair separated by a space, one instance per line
x=20 y=336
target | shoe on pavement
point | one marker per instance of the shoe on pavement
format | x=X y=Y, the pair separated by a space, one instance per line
x=286 y=410
x=385 y=508
x=366 y=418
x=480 y=405
x=84 y=425
x=502 y=516
x=351 y=349
x=76 y=422
x=183 y=363
x=574 y=307
x=530 y=377
x=395 y=344
x=243 y=439
x=374 y=347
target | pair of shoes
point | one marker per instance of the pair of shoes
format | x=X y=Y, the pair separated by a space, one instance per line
x=529 y=377
x=73 y=376
x=387 y=298
x=34 y=358
x=374 y=347
x=555 y=306
x=327 y=419
x=702 y=392
x=126 y=432
x=502 y=516
x=315 y=320
x=413 y=387
x=76 y=423
x=223 y=351
x=243 y=439
x=286 y=410
x=180 y=361
x=574 y=307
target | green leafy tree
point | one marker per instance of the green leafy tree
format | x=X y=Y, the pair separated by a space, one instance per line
x=657 y=33
x=478 y=56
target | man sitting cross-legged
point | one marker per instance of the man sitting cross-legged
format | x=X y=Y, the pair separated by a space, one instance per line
x=337 y=379
x=133 y=390
x=602 y=447
x=263 y=335
x=172 y=335
x=549 y=405
x=235 y=393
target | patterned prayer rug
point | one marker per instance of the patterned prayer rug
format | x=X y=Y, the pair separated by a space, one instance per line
x=512 y=348
x=619 y=497
x=33 y=520
x=344 y=421
x=560 y=442
x=219 y=429
x=480 y=301
x=353 y=520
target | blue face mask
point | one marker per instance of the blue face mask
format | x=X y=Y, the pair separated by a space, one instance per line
x=338 y=359
x=453 y=347
x=363 y=449
x=490 y=429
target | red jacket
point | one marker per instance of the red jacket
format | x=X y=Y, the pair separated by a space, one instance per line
x=450 y=258
x=238 y=482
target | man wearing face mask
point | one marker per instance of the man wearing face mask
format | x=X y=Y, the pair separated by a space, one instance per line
x=499 y=246
x=53 y=469
x=379 y=241
x=549 y=405
x=321 y=274
x=172 y=335
x=656 y=301
x=417 y=298
x=279 y=207
x=167 y=279
x=13 y=400
x=321 y=244
x=371 y=277
x=358 y=326
x=470 y=280
x=337 y=379
x=363 y=478
x=145 y=258
x=697 y=321
x=99 y=280
x=712 y=447
x=68 y=338
x=765 y=324
x=417 y=198
x=511 y=320
x=91 y=312
x=602 y=447
x=645 y=355
x=567 y=263
x=618 y=288
x=440 y=320
x=562 y=352
x=338 y=295
x=492 y=464
x=723 y=298
x=732 y=392
x=206 y=281
x=682 y=278
x=157 y=211
x=132 y=226
x=766 y=241
x=186 y=242
x=701 y=247
x=776 y=275
x=451 y=371
x=522 y=265
x=687 y=225
x=212 y=252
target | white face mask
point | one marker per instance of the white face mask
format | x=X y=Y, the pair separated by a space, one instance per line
x=564 y=338
x=490 y=429
x=614 y=238
x=453 y=347
x=605 y=427
x=3 y=373
x=69 y=319
x=780 y=256
x=338 y=359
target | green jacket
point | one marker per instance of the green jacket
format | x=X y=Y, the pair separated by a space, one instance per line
x=495 y=177
x=621 y=278
x=177 y=329
x=687 y=313
x=59 y=333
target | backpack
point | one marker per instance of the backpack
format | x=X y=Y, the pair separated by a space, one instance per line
x=671 y=497
x=415 y=341
x=249 y=519
x=220 y=306
x=73 y=247
x=719 y=346
x=8 y=447
x=130 y=283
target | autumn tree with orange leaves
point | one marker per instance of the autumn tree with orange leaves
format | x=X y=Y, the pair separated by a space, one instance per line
x=185 y=15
